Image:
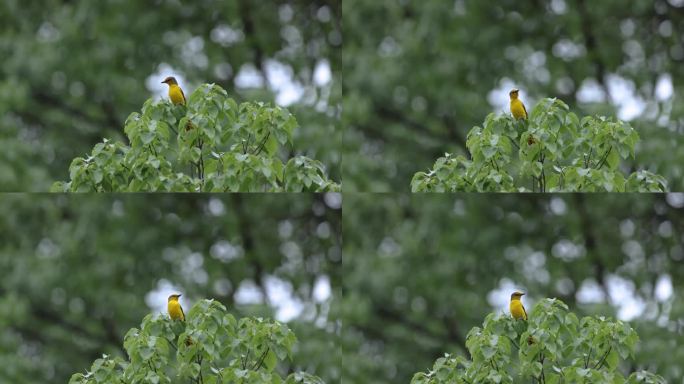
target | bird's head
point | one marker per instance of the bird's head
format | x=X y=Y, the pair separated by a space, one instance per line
x=513 y=93
x=174 y=297
x=168 y=81
x=516 y=295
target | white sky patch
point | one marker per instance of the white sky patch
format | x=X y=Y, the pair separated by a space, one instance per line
x=558 y=6
x=590 y=92
x=627 y=228
x=459 y=8
x=249 y=77
x=568 y=50
x=333 y=200
x=193 y=266
x=675 y=200
x=281 y=80
x=248 y=293
x=48 y=33
x=534 y=265
x=157 y=298
x=216 y=207
x=623 y=295
x=321 y=289
x=501 y=296
x=282 y=298
x=225 y=35
x=567 y=250
x=664 y=89
x=623 y=94
x=193 y=54
x=590 y=292
x=557 y=206
x=226 y=251
x=154 y=83
x=322 y=73
x=663 y=288
x=535 y=64
x=627 y=27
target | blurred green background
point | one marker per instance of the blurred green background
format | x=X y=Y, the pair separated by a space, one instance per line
x=72 y=71
x=77 y=272
x=418 y=75
x=421 y=270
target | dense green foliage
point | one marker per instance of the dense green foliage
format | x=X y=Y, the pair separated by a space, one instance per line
x=420 y=271
x=210 y=346
x=73 y=71
x=77 y=272
x=419 y=74
x=552 y=151
x=553 y=346
x=212 y=145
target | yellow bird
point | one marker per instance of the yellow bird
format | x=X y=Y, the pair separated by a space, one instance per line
x=175 y=309
x=175 y=92
x=517 y=107
x=516 y=306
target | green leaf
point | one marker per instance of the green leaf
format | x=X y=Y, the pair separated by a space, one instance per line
x=270 y=361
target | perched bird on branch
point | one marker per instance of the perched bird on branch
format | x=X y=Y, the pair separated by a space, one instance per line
x=175 y=92
x=175 y=309
x=516 y=306
x=517 y=107
x=177 y=96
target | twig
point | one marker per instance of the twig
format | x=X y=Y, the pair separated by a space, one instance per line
x=261 y=359
x=586 y=360
x=199 y=362
x=604 y=158
x=602 y=360
x=246 y=143
x=513 y=141
x=261 y=146
x=588 y=157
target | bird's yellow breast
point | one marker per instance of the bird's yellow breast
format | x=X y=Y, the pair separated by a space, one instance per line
x=176 y=94
x=518 y=109
x=517 y=310
x=175 y=310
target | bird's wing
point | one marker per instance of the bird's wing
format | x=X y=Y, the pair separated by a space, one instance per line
x=521 y=103
x=183 y=313
x=183 y=94
x=521 y=306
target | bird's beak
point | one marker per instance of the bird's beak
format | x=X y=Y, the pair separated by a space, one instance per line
x=522 y=294
x=182 y=295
